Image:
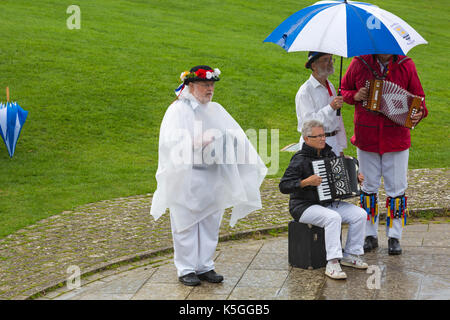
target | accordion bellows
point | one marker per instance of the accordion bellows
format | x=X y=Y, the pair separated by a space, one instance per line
x=339 y=178
x=393 y=101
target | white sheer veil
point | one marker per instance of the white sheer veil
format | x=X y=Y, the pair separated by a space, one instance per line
x=205 y=163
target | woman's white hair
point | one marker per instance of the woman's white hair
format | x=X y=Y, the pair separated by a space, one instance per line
x=308 y=125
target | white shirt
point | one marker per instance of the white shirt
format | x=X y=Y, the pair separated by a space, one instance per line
x=382 y=65
x=313 y=103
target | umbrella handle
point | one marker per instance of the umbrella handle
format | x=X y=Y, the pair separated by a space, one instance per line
x=7 y=94
x=338 y=111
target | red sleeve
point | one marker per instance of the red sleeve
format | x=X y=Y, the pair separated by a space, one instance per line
x=414 y=85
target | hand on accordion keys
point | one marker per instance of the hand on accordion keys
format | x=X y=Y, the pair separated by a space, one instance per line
x=312 y=180
x=362 y=94
x=315 y=180
x=360 y=178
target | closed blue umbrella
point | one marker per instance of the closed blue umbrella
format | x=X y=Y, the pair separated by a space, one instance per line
x=12 y=118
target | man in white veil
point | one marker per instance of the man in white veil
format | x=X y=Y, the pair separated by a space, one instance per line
x=205 y=165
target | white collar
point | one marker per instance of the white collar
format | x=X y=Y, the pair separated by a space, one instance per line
x=315 y=82
x=383 y=65
x=187 y=95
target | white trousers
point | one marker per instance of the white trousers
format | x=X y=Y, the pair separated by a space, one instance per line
x=330 y=218
x=393 y=167
x=194 y=247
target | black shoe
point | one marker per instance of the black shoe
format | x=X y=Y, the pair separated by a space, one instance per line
x=211 y=276
x=190 y=279
x=394 y=246
x=370 y=243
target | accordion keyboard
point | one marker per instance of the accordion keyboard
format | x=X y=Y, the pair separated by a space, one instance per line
x=323 y=190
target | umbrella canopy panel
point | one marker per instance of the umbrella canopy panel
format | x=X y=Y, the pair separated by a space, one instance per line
x=345 y=28
x=12 y=118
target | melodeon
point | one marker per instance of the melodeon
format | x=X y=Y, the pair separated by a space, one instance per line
x=393 y=101
x=339 y=178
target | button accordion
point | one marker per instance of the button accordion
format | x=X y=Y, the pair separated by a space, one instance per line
x=339 y=178
x=393 y=101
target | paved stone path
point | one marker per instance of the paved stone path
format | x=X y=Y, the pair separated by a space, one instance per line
x=99 y=235
x=253 y=269
x=258 y=269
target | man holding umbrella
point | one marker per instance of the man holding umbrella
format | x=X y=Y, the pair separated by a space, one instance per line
x=382 y=145
x=316 y=100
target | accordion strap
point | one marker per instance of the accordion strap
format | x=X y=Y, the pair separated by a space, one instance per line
x=375 y=73
x=404 y=59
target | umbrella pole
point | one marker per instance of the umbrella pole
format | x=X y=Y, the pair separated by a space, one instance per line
x=7 y=94
x=338 y=112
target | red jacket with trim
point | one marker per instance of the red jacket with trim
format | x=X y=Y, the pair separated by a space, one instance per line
x=374 y=132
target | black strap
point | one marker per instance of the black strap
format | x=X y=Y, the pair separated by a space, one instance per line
x=375 y=73
x=404 y=59
x=331 y=134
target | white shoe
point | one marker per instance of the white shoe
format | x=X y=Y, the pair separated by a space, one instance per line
x=354 y=261
x=334 y=271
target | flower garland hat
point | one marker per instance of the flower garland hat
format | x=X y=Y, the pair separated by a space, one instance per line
x=197 y=73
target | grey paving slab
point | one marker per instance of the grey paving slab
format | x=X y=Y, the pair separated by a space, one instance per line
x=263 y=278
x=165 y=274
x=302 y=284
x=206 y=296
x=235 y=255
x=254 y=293
x=231 y=271
x=275 y=245
x=399 y=285
x=435 y=287
x=225 y=288
x=104 y=296
x=162 y=291
x=270 y=261
x=129 y=283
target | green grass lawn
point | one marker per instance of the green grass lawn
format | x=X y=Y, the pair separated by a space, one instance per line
x=96 y=96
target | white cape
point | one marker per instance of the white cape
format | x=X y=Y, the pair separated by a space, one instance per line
x=205 y=164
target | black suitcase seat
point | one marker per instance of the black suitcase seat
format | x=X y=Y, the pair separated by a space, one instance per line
x=306 y=246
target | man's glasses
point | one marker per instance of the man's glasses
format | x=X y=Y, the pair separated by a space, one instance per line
x=321 y=136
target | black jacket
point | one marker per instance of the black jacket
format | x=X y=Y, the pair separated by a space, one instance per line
x=300 y=168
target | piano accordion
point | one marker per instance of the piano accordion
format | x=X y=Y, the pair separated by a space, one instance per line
x=393 y=101
x=339 y=178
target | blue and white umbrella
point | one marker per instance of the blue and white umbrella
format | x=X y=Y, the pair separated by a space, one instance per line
x=12 y=118
x=347 y=29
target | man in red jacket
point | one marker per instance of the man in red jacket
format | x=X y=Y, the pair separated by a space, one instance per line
x=382 y=145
